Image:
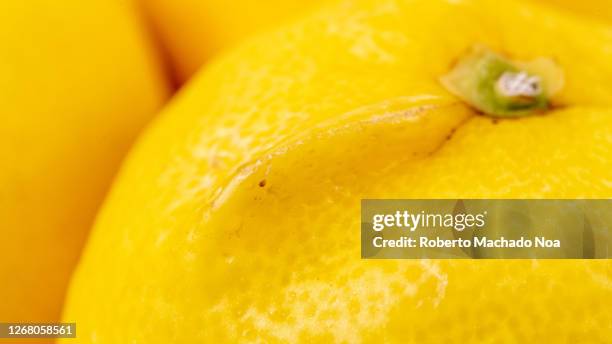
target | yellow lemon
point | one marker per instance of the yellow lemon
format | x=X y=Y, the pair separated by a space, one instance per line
x=236 y=216
x=191 y=31
x=78 y=81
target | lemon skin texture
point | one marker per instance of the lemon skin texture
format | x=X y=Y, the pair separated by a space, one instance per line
x=236 y=216
x=79 y=80
x=192 y=31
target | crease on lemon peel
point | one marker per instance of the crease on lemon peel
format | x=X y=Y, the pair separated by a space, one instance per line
x=401 y=110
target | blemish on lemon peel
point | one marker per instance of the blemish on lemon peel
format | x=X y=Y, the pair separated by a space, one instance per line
x=500 y=87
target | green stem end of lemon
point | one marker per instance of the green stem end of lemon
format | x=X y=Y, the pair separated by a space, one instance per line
x=500 y=87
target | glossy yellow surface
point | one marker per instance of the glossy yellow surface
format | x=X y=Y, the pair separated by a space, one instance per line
x=235 y=218
x=78 y=79
x=192 y=31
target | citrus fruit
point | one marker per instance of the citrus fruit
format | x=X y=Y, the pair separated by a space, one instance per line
x=236 y=216
x=192 y=31
x=79 y=80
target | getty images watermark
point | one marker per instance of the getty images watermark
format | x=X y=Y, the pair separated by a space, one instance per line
x=448 y=228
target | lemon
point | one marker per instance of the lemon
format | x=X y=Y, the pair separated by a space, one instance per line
x=78 y=81
x=236 y=216
x=192 y=31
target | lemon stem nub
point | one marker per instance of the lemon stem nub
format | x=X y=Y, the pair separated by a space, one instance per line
x=500 y=87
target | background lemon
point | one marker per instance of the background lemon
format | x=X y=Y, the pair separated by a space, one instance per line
x=236 y=216
x=191 y=31
x=78 y=80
